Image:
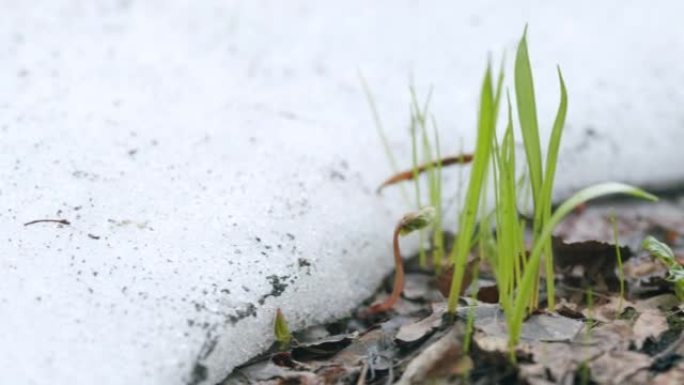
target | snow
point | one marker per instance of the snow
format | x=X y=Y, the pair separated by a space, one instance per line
x=217 y=159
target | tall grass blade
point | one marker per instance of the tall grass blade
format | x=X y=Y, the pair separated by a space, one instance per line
x=527 y=114
x=547 y=185
x=468 y=216
x=381 y=132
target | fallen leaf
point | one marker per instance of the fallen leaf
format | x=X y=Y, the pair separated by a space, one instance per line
x=608 y=310
x=620 y=367
x=322 y=348
x=420 y=287
x=371 y=344
x=418 y=330
x=443 y=358
x=538 y=327
x=589 y=263
x=665 y=302
x=562 y=359
x=651 y=323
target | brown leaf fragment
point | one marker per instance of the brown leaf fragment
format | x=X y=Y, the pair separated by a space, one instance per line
x=651 y=323
x=562 y=360
x=375 y=342
x=568 y=309
x=538 y=327
x=409 y=175
x=620 y=367
x=664 y=302
x=442 y=359
x=420 y=287
x=445 y=277
x=634 y=220
x=488 y=294
x=322 y=348
x=589 y=263
x=608 y=310
x=418 y=330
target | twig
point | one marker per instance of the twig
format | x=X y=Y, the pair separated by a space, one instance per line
x=58 y=221
x=409 y=175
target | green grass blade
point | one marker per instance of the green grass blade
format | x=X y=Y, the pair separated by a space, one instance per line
x=547 y=185
x=532 y=267
x=468 y=216
x=527 y=114
x=438 y=235
x=382 y=134
x=618 y=255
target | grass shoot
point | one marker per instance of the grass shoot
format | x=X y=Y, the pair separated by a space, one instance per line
x=281 y=331
x=517 y=267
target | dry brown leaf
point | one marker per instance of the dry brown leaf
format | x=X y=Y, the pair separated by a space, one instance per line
x=651 y=323
x=634 y=221
x=421 y=287
x=538 y=327
x=562 y=360
x=415 y=331
x=443 y=358
x=663 y=302
x=620 y=367
x=608 y=311
x=616 y=335
x=588 y=263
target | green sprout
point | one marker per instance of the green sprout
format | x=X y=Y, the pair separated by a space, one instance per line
x=665 y=255
x=282 y=333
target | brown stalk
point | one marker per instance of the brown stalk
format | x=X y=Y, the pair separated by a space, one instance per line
x=398 y=276
x=409 y=175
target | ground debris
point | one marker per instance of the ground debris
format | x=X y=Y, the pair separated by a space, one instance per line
x=602 y=338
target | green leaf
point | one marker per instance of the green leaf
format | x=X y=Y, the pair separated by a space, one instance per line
x=547 y=185
x=483 y=146
x=659 y=250
x=527 y=114
x=665 y=255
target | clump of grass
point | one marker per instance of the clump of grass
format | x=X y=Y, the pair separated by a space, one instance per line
x=517 y=269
